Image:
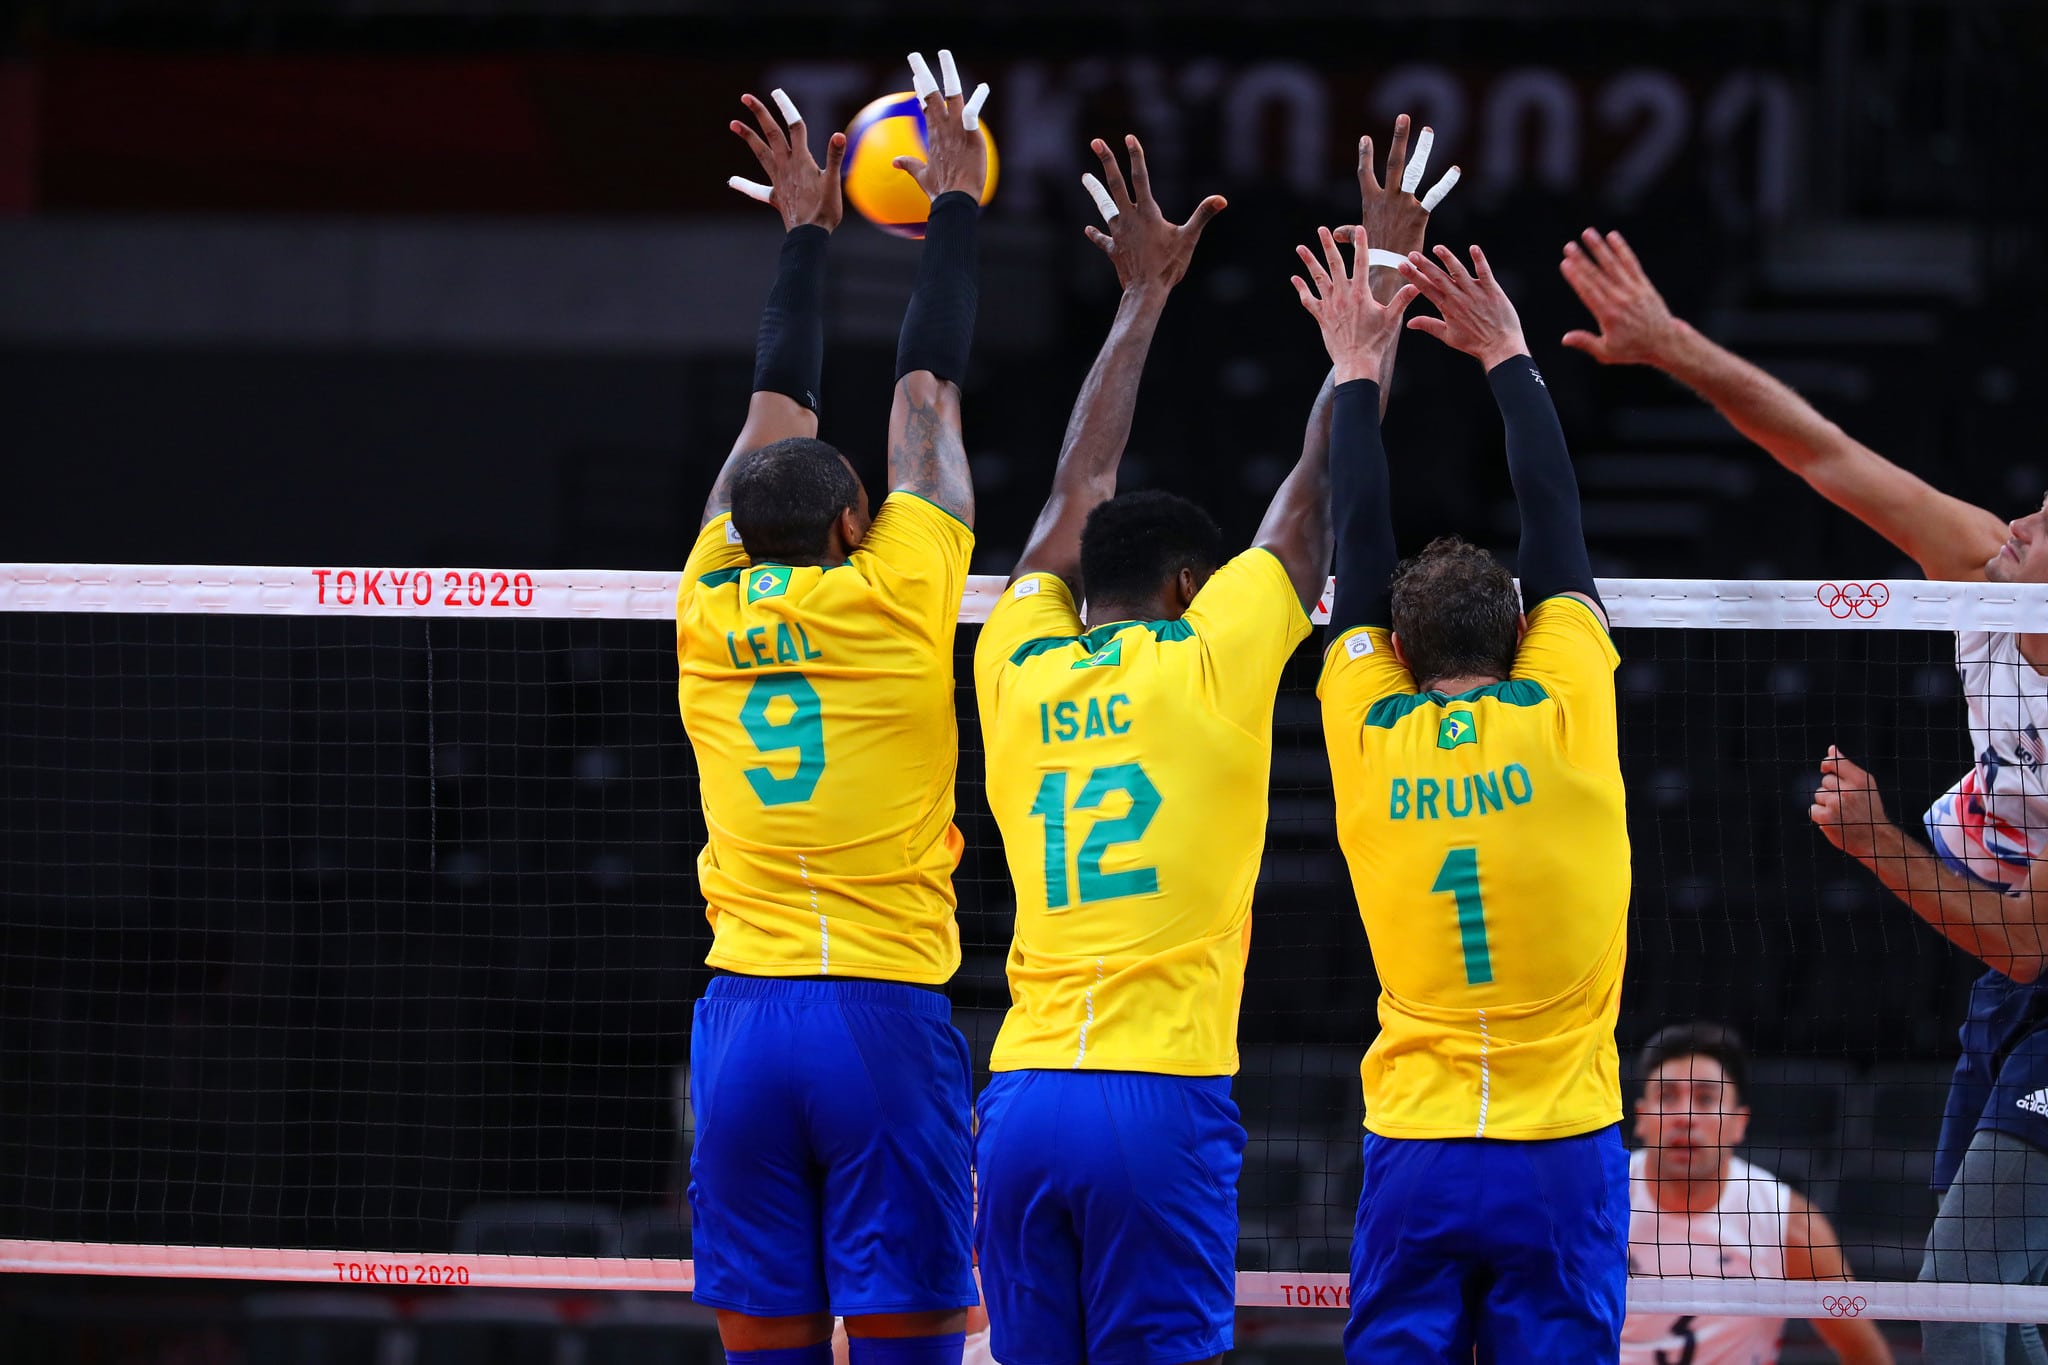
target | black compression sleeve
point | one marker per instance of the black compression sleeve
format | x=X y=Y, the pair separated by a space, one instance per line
x=938 y=327
x=1359 y=511
x=1553 y=557
x=789 y=350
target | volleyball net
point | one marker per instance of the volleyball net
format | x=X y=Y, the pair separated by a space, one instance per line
x=351 y=928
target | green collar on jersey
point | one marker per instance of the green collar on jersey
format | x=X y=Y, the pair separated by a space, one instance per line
x=1095 y=639
x=1388 y=711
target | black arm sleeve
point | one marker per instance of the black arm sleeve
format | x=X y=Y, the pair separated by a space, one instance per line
x=938 y=327
x=789 y=350
x=1360 y=512
x=1553 y=558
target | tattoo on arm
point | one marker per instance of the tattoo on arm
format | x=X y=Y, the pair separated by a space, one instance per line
x=926 y=454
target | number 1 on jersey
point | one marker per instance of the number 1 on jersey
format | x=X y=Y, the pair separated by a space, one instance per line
x=1460 y=877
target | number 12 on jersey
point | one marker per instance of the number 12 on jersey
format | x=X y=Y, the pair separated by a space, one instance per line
x=1050 y=805
x=1460 y=877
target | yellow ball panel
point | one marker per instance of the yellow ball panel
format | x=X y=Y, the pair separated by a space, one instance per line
x=886 y=129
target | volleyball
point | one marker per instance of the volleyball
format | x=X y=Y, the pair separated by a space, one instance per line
x=890 y=127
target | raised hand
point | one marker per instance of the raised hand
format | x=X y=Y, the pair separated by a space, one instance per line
x=1356 y=327
x=804 y=192
x=1477 y=317
x=1636 y=328
x=1394 y=217
x=1148 y=251
x=957 y=158
x=1847 y=807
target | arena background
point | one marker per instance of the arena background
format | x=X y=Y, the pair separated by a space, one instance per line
x=391 y=282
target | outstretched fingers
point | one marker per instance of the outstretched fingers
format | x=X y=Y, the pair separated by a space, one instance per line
x=1141 y=174
x=1204 y=211
x=1453 y=267
x=1333 y=255
x=835 y=153
x=1112 y=178
x=1424 y=273
x=771 y=131
x=1397 y=151
x=1368 y=179
x=754 y=145
x=1316 y=273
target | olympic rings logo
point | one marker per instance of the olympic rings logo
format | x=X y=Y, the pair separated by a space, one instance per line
x=1853 y=599
x=1845 y=1305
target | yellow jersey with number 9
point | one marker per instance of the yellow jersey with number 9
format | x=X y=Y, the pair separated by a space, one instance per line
x=1488 y=841
x=819 y=703
x=1127 y=769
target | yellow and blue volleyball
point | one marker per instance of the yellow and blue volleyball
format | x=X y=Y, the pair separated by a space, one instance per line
x=893 y=126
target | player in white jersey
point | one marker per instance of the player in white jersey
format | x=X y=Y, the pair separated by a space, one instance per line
x=1697 y=1209
x=1973 y=877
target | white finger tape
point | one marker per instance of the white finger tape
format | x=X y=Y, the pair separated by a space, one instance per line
x=949 y=74
x=1392 y=260
x=787 y=105
x=753 y=189
x=1440 y=189
x=1412 y=176
x=970 y=117
x=921 y=82
x=1103 y=203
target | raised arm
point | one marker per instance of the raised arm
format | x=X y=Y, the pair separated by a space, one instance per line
x=1947 y=537
x=789 y=350
x=1362 y=519
x=1151 y=256
x=926 y=455
x=2003 y=930
x=1479 y=319
x=1358 y=330
x=1814 y=1252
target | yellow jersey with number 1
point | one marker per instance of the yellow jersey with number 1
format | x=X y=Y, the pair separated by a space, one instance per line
x=819 y=703
x=1488 y=842
x=1127 y=769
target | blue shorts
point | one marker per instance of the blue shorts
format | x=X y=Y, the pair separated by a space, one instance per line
x=831 y=1163
x=1519 y=1249
x=1108 y=1227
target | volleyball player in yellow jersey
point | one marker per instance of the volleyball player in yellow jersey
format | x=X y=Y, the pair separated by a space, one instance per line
x=1127 y=762
x=1480 y=806
x=831 y=1168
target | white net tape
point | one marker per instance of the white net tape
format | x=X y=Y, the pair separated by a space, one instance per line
x=1904 y=605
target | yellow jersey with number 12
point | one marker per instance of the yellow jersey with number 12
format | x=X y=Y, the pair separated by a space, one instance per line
x=1127 y=769
x=819 y=703
x=1488 y=842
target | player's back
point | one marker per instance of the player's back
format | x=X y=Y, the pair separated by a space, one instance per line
x=820 y=704
x=1488 y=845
x=1127 y=769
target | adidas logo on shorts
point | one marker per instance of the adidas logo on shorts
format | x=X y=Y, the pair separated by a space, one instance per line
x=2036 y=1103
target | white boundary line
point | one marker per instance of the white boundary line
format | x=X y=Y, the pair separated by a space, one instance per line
x=1255 y=1288
x=627 y=595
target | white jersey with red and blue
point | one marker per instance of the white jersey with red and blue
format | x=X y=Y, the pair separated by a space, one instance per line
x=1990 y=827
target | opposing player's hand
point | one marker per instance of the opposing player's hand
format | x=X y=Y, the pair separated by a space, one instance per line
x=1636 y=327
x=1356 y=327
x=1148 y=251
x=957 y=158
x=804 y=192
x=1395 y=217
x=1478 y=318
x=1847 y=807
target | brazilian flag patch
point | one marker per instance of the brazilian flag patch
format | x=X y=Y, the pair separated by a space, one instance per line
x=1455 y=729
x=769 y=580
x=1110 y=655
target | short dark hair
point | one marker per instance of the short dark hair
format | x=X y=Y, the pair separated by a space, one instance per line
x=1456 y=611
x=786 y=495
x=1135 y=542
x=1699 y=1038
